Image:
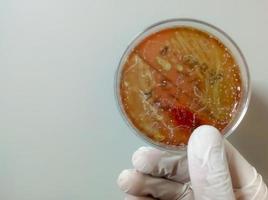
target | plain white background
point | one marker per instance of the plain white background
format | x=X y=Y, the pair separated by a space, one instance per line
x=61 y=135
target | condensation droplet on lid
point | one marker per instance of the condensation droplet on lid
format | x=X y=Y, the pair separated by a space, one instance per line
x=210 y=36
x=126 y=83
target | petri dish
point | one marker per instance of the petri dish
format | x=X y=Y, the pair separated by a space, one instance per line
x=179 y=74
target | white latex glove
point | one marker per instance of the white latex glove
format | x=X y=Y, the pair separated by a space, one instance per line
x=214 y=170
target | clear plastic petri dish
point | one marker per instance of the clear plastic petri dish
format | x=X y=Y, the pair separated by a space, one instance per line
x=232 y=50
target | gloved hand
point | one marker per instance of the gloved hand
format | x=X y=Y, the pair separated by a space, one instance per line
x=213 y=170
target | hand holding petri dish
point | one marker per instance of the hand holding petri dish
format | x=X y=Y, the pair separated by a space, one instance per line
x=177 y=75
